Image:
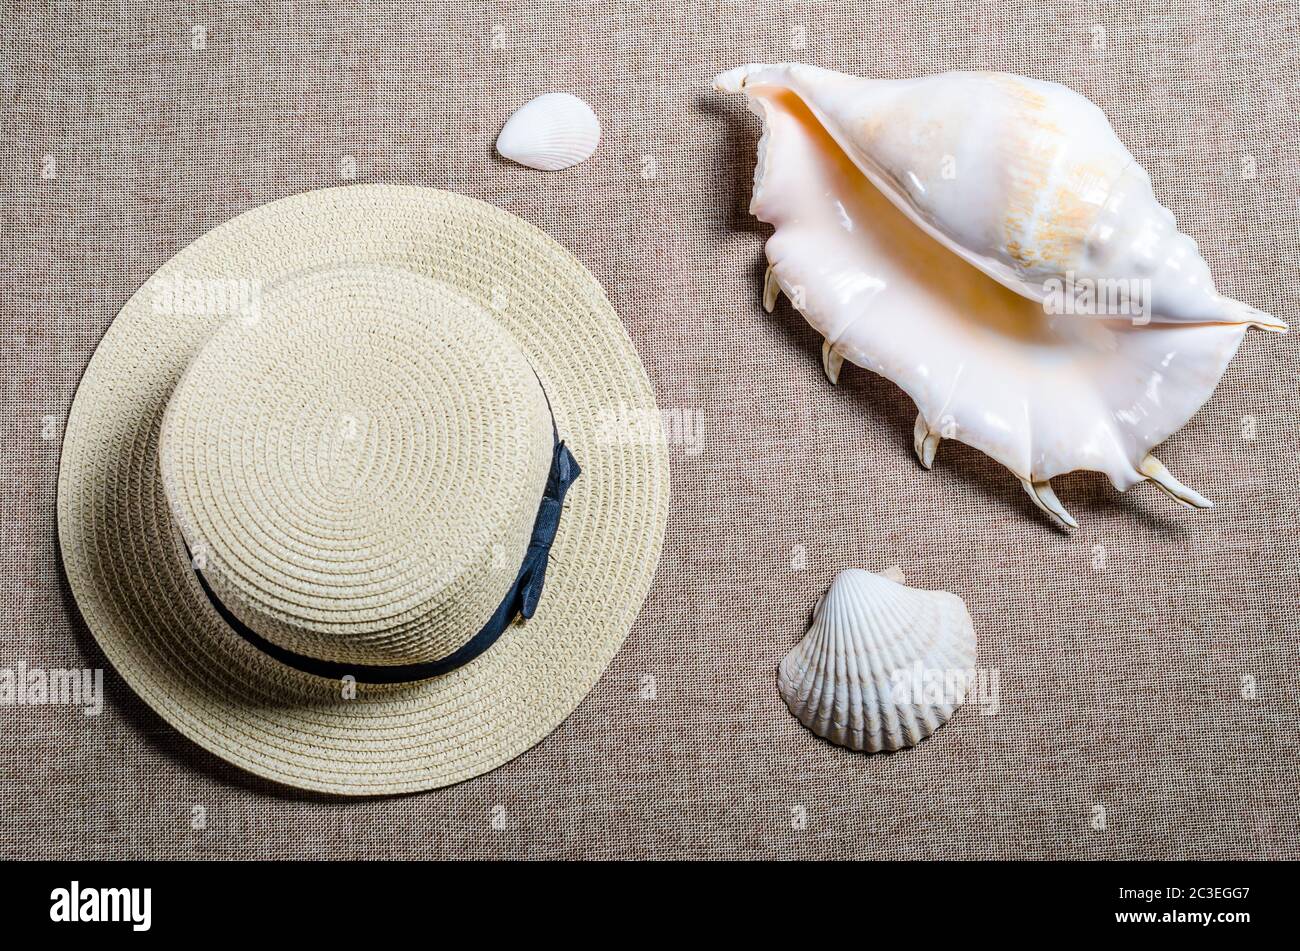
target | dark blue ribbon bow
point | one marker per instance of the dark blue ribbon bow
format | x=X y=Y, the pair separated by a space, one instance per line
x=532 y=574
x=521 y=599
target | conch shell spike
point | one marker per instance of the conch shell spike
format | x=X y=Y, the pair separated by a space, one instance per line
x=831 y=362
x=771 y=290
x=927 y=443
x=1155 y=470
x=1256 y=317
x=1045 y=498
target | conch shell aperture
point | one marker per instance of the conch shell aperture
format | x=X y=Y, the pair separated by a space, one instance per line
x=927 y=228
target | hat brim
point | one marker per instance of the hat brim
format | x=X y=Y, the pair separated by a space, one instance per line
x=135 y=587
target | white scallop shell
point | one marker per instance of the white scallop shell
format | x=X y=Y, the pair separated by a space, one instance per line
x=883 y=665
x=551 y=132
x=925 y=226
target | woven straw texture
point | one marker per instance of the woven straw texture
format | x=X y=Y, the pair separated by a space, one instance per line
x=1148 y=663
x=135 y=585
x=361 y=466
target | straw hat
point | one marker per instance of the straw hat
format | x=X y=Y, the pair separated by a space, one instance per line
x=348 y=492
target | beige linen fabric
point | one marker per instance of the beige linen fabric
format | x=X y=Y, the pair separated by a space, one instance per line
x=1148 y=663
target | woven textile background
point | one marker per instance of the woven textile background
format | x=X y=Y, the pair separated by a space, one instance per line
x=1149 y=663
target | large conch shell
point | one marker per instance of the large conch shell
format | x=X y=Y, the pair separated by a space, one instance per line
x=883 y=665
x=928 y=227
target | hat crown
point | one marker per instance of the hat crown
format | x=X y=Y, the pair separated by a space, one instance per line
x=356 y=464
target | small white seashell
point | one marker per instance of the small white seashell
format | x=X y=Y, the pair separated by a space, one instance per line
x=551 y=132
x=883 y=665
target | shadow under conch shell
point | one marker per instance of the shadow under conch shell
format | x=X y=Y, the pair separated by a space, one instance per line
x=926 y=229
x=883 y=665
